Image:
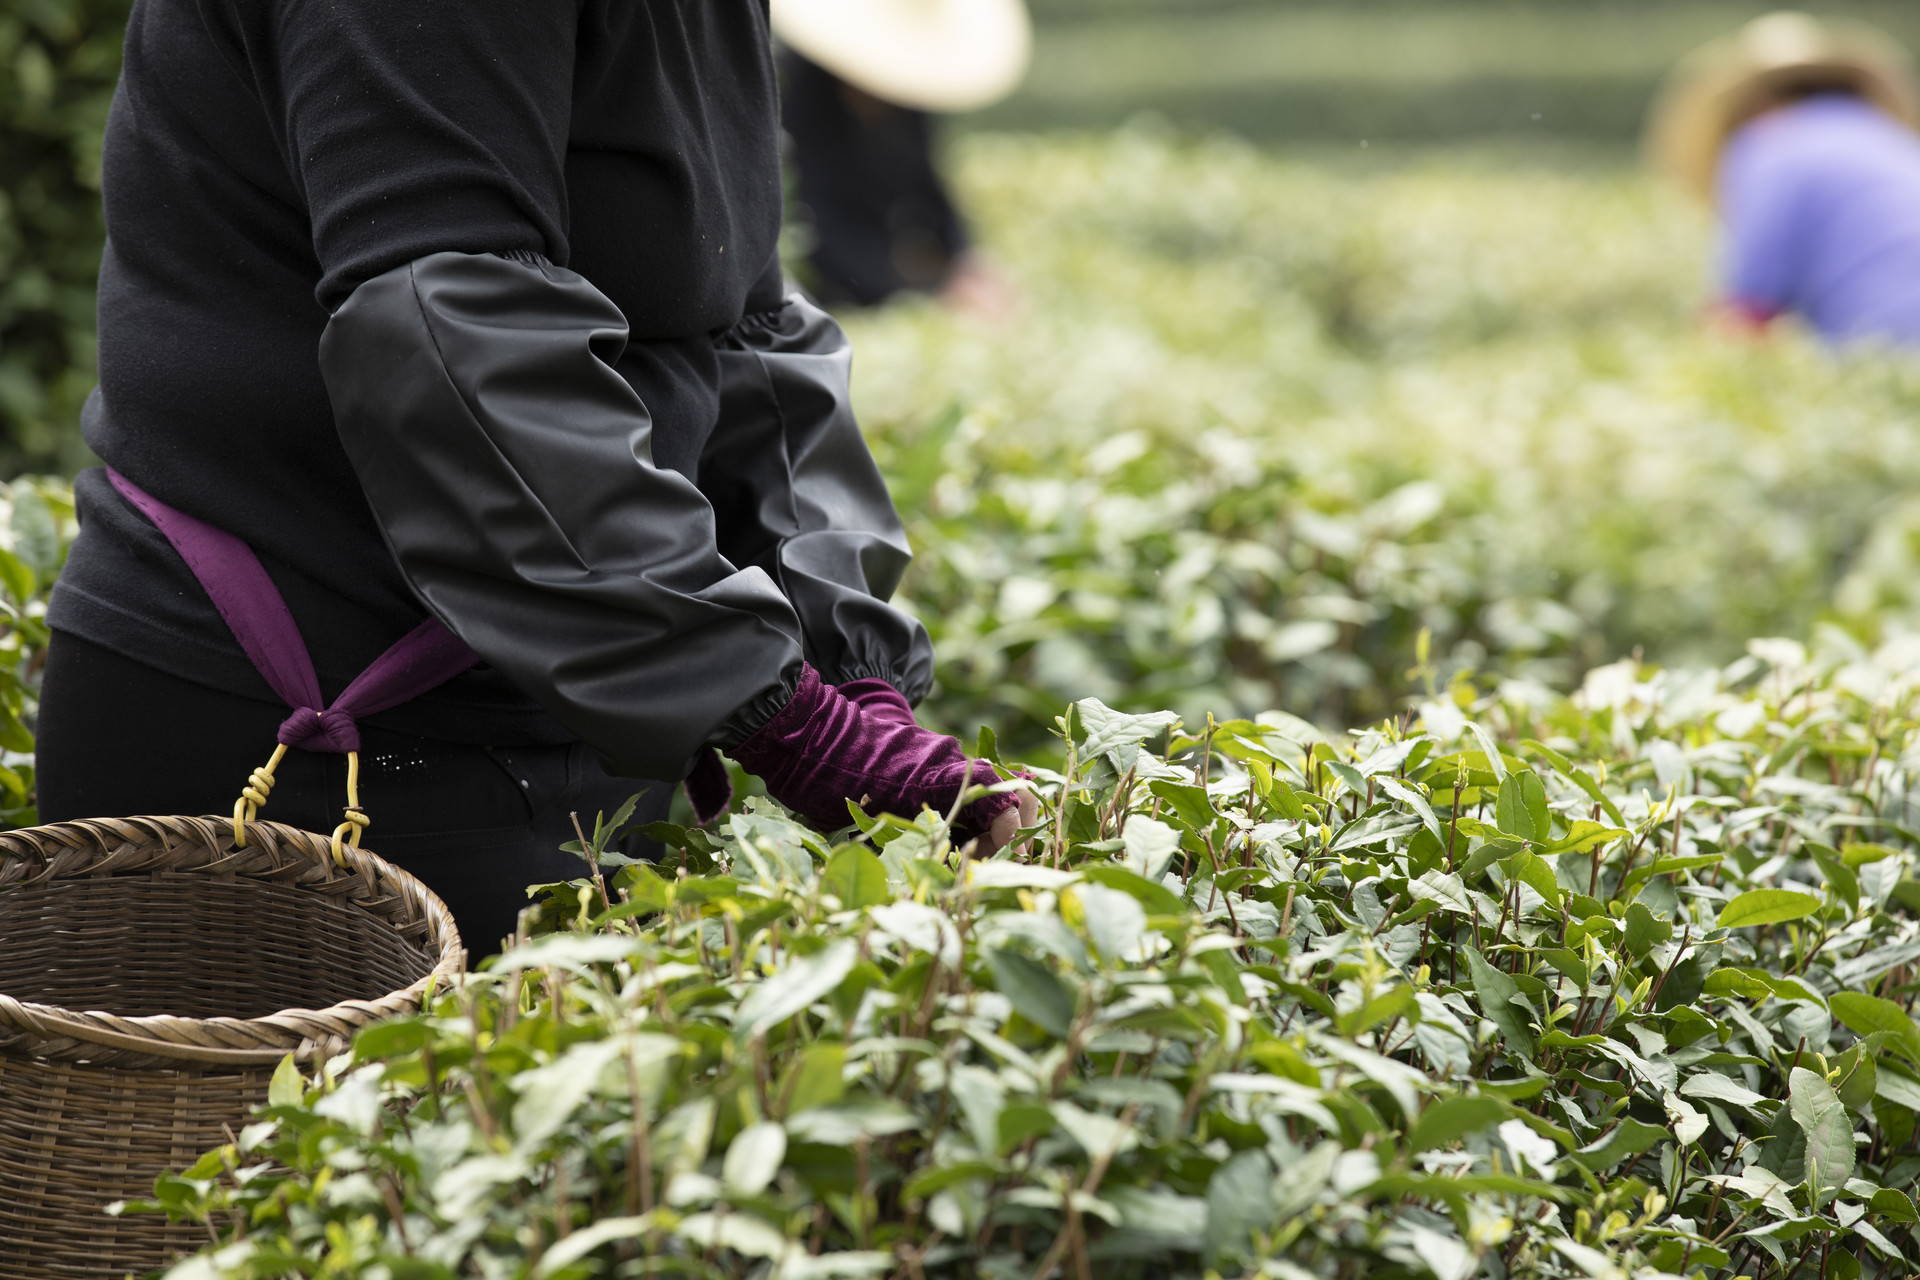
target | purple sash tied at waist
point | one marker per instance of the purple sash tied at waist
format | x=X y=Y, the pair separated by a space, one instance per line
x=233 y=577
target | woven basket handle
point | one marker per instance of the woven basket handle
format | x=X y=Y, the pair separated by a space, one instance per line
x=176 y=845
x=98 y=1029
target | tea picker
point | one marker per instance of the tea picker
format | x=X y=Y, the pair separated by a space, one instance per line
x=468 y=323
x=467 y=465
x=1801 y=133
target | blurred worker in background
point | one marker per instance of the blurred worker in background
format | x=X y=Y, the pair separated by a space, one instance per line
x=1801 y=133
x=860 y=78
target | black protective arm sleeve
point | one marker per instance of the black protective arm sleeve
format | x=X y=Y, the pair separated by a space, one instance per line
x=510 y=469
x=796 y=493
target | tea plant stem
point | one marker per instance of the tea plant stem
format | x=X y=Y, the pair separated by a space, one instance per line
x=1819 y=941
x=433 y=1075
x=592 y=855
x=640 y=1190
x=1066 y=802
x=478 y=1082
x=482 y=1113
x=1453 y=823
x=1117 y=806
x=1600 y=1013
x=1090 y=1186
x=1633 y=856
x=763 y=1078
x=1076 y=1036
x=910 y=1257
x=1199 y=1089
x=1213 y=858
x=1500 y=929
x=862 y=1190
x=562 y=1200
x=923 y=1016
x=1685 y=935
x=396 y=1210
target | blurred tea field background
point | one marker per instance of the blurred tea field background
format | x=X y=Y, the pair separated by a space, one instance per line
x=1265 y=420
x=1343 y=325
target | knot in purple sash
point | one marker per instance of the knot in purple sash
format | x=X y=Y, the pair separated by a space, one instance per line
x=233 y=576
x=329 y=730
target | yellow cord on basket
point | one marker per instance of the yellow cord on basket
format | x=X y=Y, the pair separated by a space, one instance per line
x=253 y=795
x=356 y=819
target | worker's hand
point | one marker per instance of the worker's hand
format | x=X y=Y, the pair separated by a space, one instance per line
x=1738 y=319
x=1007 y=825
x=824 y=749
x=880 y=701
x=977 y=288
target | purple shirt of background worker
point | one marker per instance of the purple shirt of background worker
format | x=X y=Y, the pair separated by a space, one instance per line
x=1821 y=203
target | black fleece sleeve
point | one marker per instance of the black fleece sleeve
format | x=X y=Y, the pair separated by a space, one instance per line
x=415 y=126
x=796 y=493
x=510 y=469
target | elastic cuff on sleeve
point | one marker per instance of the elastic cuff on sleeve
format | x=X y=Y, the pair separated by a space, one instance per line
x=871 y=671
x=763 y=707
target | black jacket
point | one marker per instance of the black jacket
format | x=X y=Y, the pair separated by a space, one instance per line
x=473 y=307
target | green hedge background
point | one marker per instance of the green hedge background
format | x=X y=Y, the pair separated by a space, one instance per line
x=1378 y=70
x=58 y=63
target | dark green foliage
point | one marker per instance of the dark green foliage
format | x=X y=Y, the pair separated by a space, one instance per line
x=59 y=60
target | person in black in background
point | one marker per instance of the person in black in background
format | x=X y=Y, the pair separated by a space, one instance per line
x=881 y=217
x=860 y=79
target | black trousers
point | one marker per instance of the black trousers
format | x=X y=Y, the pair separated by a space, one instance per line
x=117 y=738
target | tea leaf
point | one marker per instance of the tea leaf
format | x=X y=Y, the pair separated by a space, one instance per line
x=1823 y=1119
x=753 y=1158
x=1034 y=991
x=799 y=984
x=1767 y=906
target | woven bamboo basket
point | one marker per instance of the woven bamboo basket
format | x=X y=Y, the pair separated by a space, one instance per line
x=152 y=976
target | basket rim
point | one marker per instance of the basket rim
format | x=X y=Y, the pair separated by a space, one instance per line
x=89 y=847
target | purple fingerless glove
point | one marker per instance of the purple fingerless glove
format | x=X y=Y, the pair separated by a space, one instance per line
x=824 y=749
x=878 y=700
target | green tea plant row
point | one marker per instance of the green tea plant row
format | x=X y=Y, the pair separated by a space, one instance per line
x=1263 y=419
x=1616 y=984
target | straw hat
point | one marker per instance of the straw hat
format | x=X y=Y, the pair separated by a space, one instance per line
x=1721 y=85
x=937 y=55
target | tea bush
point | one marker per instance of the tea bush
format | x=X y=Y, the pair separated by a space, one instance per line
x=36 y=527
x=1535 y=986
x=1262 y=420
